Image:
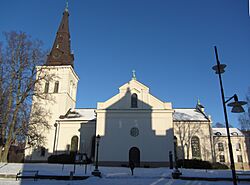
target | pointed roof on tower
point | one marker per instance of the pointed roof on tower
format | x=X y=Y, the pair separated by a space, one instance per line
x=60 y=53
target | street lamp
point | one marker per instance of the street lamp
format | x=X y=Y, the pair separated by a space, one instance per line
x=236 y=108
x=54 y=146
x=175 y=149
x=96 y=172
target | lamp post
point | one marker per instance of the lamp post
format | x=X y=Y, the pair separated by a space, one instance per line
x=175 y=150
x=236 y=108
x=54 y=146
x=96 y=172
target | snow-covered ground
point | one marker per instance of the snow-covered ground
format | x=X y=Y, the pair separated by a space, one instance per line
x=113 y=175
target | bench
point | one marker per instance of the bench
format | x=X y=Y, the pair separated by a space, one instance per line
x=27 y=174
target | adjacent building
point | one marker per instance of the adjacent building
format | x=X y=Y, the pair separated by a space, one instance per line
x=239 y=147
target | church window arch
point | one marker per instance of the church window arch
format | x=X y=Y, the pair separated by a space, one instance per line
x=56 y=87
x=134 y=100
x=195 y=145
x=46 y=88
x=74 y=144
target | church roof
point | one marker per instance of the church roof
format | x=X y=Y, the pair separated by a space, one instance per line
x=80 y=115
x=191 y=114
x=223 y=132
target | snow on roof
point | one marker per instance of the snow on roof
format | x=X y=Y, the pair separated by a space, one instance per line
x=188 y=115
x=80 y=114
x=223 y=132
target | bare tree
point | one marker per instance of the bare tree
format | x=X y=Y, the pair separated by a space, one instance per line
x=184 y=131
x=244 y=119
x=19 y=56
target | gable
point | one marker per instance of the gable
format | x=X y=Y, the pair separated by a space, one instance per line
x=123 y=99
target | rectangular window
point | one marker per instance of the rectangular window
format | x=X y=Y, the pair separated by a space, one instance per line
x=239 y=157
x=238 y=147
x=220 y=147
x=222 y=158
x=46 y=88
x=56 y=87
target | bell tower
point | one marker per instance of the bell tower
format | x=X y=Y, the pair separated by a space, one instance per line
x=58 y=85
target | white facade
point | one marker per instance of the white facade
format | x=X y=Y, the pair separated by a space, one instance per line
x=151 y=119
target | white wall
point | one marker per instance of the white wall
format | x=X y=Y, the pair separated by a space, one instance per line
x=153 y=118
x=55 y=103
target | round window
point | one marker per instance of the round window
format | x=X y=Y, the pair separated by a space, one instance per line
x=134 y=131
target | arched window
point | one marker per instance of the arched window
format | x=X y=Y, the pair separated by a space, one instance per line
x=134 y=100
x=74 y=144
x=218 y=134
x=195 y=145
x=56 y=87
x=46 y=88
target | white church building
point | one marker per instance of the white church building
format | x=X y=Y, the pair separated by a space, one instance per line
x=132 y=125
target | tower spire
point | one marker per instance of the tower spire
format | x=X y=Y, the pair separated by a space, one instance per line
x=60 y=53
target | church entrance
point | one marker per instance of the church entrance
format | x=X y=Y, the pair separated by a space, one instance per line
x=134 y=156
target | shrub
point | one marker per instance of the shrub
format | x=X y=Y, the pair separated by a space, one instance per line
x=62 y=159
x=199 y=164
x=218 y=165
x=194 y=164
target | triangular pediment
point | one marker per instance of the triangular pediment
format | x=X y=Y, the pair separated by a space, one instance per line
x=123 y=99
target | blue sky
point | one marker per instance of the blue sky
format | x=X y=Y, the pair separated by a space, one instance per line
x=168 y=42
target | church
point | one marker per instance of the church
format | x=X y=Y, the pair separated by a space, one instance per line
x=133 y=125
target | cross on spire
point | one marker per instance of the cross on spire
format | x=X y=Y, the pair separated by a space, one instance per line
x=198 y=101
x=133 y=75
x=67 y=6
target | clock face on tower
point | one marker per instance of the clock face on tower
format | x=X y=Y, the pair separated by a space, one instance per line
x=56 y=54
